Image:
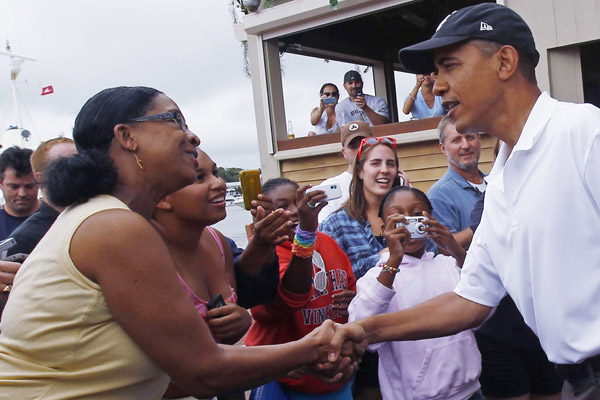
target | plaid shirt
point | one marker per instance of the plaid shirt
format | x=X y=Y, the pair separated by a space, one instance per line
x=355 y=238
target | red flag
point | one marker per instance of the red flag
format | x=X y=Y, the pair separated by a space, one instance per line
x=47 y=90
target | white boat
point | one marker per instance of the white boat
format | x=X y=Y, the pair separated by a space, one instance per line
x=232 y=197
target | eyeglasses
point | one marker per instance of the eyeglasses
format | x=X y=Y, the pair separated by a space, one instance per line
x=331 y=94
x=171 y=115
x=371 y=141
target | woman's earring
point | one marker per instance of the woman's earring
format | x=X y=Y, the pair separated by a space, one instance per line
x=138 y=161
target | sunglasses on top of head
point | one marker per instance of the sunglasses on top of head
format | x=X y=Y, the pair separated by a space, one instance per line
x=175 y=116
x=371 y=141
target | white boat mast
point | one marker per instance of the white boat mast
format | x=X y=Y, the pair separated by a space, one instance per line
x=15 y=62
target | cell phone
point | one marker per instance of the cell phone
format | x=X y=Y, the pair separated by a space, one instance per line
x=359 y=91
x=216 y=302
x=398 y=181
x=332 y=190
x=329 y=100
x=5 y=245
x=18 y=257
x=251 y=187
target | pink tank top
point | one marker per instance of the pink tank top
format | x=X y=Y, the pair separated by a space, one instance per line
x=199 y=303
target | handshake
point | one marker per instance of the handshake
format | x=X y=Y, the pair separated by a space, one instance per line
x=338 y=350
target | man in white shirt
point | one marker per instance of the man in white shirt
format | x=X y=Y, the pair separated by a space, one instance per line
x=539 y=234
x=351 y=136
x=359 y=106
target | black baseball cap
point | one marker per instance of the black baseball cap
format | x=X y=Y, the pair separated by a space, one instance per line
x=487 y=21
x=352 y=76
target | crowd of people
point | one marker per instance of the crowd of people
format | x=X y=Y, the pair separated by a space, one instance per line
x=331 y=114
x=125 y=291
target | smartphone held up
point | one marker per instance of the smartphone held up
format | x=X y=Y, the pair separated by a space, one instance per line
x=332 y=190
x=251 y=186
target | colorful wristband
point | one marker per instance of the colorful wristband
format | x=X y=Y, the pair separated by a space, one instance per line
x=304 y=243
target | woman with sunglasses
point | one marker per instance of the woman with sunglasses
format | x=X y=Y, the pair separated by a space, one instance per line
x=97 y=310
x=358 y=229
x=323 y=117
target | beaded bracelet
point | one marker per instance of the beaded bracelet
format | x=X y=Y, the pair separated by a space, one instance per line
x=387 y=268
x=304 y=243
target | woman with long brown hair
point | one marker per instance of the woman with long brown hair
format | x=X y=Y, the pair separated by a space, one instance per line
x=358 y=229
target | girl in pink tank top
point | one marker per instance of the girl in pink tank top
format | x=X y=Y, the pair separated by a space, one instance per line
x=204 y=268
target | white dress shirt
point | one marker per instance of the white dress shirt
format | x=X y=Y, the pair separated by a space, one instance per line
x=539 y=237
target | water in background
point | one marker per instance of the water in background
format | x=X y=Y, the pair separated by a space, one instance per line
x=234 y=226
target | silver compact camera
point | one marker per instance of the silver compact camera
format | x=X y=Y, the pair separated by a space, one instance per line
x=415 y=226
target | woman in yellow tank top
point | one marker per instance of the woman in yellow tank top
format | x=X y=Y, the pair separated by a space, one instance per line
x=97 y=310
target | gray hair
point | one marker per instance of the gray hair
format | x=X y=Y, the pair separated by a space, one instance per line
x=442 y=127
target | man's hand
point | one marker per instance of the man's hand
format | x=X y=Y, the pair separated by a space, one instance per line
x=359 y=101
x=341 y=365
x=349 y=340
x=8 y=269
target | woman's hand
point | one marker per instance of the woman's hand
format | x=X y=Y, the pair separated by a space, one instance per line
x=420 y=79
x=442 y=236
x=263 y=201
x=309 y=205
x=342 y=300
x=228 y=323
x=404 y=178
x=396 y=235
x=271 y=229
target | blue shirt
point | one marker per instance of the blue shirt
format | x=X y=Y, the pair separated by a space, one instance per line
x=253 y=290
x=355 y=238
x=421 y=110
x=453 y=198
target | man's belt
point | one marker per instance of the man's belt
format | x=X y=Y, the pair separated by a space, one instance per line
x=575 y=372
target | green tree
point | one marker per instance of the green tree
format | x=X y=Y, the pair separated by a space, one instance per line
x=230 y=174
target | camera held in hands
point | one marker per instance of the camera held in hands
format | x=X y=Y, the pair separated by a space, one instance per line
x=415 y=226
x=359 y=92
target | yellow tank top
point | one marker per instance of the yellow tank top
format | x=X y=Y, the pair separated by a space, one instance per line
x=58 y=338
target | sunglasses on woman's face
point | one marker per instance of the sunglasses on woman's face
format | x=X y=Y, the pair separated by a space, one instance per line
x=331 y=94
x=174 y=116
x=371 y=141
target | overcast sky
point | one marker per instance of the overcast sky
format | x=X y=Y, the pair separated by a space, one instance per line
x=184 y=48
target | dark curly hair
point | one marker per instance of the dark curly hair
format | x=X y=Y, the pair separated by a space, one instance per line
x=390 y=195
x=16 y=158
x=276 y=182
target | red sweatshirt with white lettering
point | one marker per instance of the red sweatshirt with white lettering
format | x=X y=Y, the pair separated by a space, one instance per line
x=291 y=316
